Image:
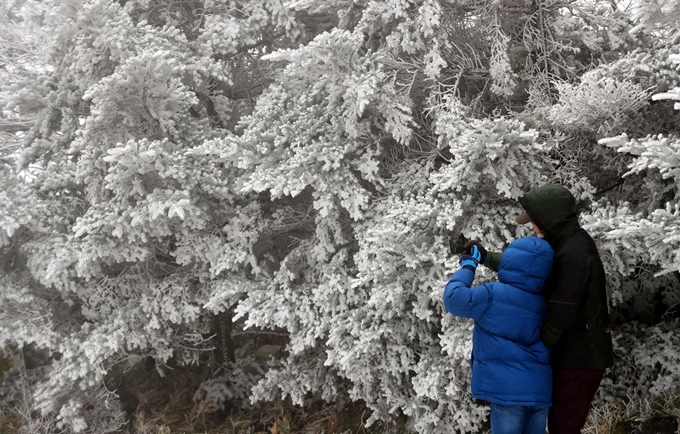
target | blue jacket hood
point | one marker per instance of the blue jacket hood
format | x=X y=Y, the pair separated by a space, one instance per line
x=526 y=263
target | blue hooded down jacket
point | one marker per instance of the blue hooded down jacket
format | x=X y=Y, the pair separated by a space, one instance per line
x=510 y=365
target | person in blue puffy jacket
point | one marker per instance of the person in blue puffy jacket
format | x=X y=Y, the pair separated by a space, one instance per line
x=510 y=364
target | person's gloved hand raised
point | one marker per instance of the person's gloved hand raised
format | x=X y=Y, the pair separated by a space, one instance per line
x=467 y=249
x=470 y=261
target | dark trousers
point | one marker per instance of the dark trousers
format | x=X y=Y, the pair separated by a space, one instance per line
x=573 y=391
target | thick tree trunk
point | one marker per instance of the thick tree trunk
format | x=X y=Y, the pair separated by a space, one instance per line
x=224 y=344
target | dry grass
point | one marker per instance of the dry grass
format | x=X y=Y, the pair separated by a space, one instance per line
x=10 y=422
x=278 y=418
x=604 y=418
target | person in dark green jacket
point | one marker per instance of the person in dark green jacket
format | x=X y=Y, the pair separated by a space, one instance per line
x=576 y=326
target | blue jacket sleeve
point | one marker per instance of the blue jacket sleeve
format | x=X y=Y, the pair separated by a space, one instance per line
x=462 y=300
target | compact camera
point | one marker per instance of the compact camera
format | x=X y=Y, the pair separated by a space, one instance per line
x=456 y=243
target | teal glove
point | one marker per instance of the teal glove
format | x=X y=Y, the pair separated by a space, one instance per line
x=472 y=260
x=467 y=247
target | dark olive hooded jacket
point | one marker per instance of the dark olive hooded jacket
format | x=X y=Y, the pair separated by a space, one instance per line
x=576 y=326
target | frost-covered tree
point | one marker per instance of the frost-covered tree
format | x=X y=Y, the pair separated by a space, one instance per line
x=124 y=207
